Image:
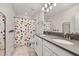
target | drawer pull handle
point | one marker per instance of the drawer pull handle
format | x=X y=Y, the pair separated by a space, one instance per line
x=11 y=31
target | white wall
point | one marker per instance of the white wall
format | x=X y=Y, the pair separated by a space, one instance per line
x=39 y=22
x=9 y=13
x=77 y=23
x=65 y=16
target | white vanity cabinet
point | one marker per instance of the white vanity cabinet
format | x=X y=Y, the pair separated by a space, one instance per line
x=41 y=48
x=38 y=46
x=45 y=48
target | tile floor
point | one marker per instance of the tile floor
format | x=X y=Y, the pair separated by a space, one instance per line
x=1 y=52
x=24 y=51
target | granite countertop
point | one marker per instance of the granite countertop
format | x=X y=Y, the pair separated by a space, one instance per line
x=70 y=47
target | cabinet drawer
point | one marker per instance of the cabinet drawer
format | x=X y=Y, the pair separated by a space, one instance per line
x=59 y=51
x=52 y=53
x=46 y=51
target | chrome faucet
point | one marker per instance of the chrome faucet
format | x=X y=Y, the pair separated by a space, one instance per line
x=67 y=36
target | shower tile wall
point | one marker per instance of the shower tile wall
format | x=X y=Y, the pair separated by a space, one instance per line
x=2 y=31
x=25 y=30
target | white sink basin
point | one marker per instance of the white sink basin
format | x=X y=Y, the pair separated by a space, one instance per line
x=63 y=41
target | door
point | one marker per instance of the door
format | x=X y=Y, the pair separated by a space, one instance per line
x=66 y=27
x=2 y=34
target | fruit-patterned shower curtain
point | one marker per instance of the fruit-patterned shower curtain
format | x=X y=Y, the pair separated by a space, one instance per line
x=24 y=31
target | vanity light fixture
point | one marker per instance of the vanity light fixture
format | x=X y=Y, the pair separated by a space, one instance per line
x=48 y=6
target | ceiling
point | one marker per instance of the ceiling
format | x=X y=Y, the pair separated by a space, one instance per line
x=29 y=8
x=60 y=7
x=33 y=8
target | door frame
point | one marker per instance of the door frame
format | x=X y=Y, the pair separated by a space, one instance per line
x=63 y=26
x=4 y=32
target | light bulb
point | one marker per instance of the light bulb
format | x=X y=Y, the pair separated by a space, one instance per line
x=47 y=10
x=45 y=5
x=50 y=7
x=43 y=8
x=54 y=4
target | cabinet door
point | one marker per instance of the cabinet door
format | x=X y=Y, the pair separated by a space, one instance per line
x=46 y=51
x=38 y=46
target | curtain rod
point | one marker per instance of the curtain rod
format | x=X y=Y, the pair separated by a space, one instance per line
x=20 y=17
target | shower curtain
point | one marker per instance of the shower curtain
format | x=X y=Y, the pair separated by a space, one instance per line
x=24 y=31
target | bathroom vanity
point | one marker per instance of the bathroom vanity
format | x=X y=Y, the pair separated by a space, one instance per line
x=49 y=45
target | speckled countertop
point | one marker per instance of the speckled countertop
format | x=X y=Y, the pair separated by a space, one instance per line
x=71 y=47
